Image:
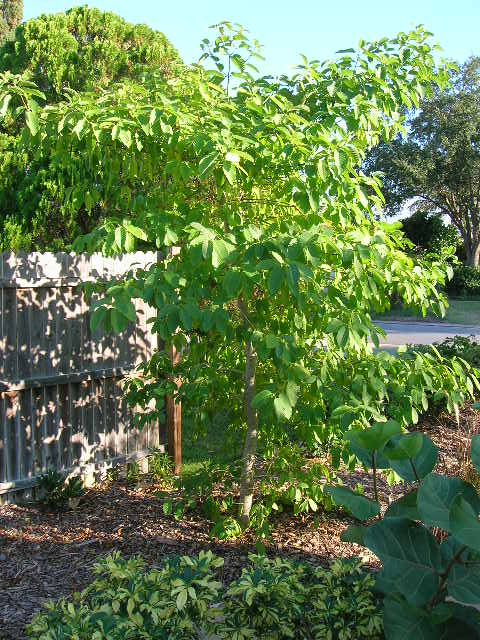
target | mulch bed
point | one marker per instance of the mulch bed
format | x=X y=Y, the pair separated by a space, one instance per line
x=45 y=556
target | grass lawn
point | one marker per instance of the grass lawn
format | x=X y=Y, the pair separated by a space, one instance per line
x=458 y=312
x=216 y=446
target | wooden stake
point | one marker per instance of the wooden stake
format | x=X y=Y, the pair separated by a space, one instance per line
x=174 y=421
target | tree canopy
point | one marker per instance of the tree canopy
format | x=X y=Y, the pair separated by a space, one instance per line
x=84 y=50
x=11 y=14
x=429 y=233
x=438 y=163
x=261 y=188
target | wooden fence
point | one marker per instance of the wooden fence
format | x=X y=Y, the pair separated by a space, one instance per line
x=61 y=402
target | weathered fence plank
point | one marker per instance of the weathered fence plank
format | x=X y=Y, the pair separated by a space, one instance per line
x=61 y=403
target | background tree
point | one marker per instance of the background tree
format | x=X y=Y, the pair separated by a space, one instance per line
x=438 y=163
x=11 y=14
x=429 y=233
x=82 y=49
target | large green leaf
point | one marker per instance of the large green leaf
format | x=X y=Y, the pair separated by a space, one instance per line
x=404 y=622
x=404 y=507
x=405 y=446
x=463 y=583
x=424 y=462
x=275 y=279
x=410 y=556
x=464 y=523
x=435 y=498
x=353 y=533
x=374 y=438
x=366 y=457
x=450 y=547
x=232 y=282
x=359 y=506
x=475 y=452
x=31 y=118
x=282 y=406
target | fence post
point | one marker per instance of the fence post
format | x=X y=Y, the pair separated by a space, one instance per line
x=174 y=409
x=174 y=421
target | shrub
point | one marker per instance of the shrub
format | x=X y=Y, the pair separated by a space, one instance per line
x=465 y=282
x=466 y=348
x=428 y=541
x=429 y=233
x=160 y=466
x=58 y=493
x=342 y=605
x=272 y=599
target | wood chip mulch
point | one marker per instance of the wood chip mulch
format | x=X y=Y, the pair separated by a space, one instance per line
x=46 y=556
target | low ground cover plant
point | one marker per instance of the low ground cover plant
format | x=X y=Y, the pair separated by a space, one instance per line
x=273 y=599
x=58 y=493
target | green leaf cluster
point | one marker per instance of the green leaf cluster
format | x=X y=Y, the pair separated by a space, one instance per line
x=182 y=600
x=83 y=49
x=431 y=587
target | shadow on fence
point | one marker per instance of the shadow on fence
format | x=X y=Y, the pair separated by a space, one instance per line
x=61 y=401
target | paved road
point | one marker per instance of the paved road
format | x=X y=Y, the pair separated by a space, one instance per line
x=399 y=333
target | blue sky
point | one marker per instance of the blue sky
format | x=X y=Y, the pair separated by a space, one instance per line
x=288 y=28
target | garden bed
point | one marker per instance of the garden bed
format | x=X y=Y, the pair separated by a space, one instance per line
x=44 y=555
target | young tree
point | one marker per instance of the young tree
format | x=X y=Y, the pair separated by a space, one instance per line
x=11 y=14
x=261 y=189
x=438 y=163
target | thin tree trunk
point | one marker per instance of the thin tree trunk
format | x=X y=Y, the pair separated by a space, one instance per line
x=250 y=448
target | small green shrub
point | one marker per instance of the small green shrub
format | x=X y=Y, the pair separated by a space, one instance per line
x=160 y=466
x=467 y=348
x=59 y=493
x=113 y=474
x=465 y=282
x=267 y=602
x=342 y=605
x=182 y=600
x=132 y=473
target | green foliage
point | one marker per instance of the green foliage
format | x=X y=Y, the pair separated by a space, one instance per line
x=59 y=493
x=82 y=49
x=113 y=474
x=160 y=466
x=419 y=575
x=85 y=49
x=461 y=348
x=11 y=13
x=271 y=600
x=132 y=474
x=465 y=282
x=429 y=233
x=262 y=188
x=342 y=603
x=437 y=163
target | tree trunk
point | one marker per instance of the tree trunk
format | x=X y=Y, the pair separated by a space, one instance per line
x=250 y=448
x=473 y=255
